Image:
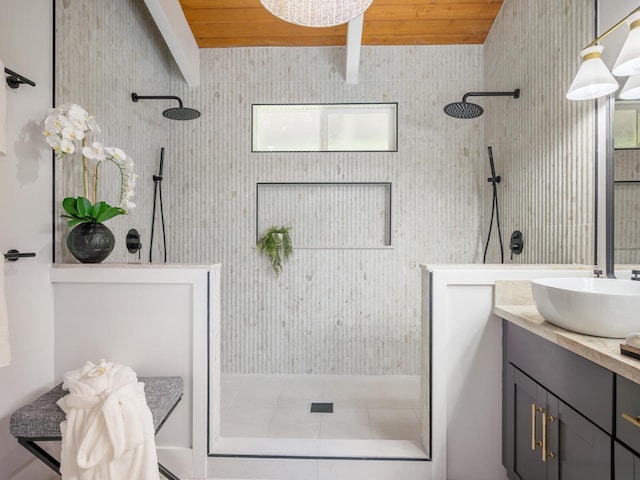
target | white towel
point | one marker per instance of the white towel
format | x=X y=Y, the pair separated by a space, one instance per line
x=108 y=433
x=3 y=114
x=5 y=349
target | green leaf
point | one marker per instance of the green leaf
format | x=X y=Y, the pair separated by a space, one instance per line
x=98 y=209
x=84 y=207
x=110 y=212
x=69 y=205
x=75 y=221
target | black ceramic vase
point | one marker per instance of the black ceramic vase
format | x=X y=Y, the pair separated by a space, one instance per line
x=90 y=242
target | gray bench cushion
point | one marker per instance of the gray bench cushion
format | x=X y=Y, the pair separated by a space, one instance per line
x=41 y=419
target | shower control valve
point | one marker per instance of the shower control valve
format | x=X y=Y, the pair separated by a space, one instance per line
x=517 y=243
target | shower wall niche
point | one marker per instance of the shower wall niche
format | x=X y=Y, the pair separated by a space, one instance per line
x=327 y=215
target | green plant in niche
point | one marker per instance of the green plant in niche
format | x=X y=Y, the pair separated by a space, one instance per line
x=275 y=244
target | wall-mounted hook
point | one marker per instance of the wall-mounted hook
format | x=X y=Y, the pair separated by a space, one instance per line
x=14 y=80
x=14 y=255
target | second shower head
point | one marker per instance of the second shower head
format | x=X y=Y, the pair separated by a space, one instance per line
x=175 y=113
x=466 y=109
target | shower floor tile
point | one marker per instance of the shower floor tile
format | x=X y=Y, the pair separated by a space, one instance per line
x=278 y=406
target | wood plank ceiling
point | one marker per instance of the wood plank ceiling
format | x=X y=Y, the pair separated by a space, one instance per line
x=246 y=23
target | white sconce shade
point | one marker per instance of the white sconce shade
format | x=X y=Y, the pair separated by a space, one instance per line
x=628 y=62
x=593 y=79
x=317 y=13
x=631 y=89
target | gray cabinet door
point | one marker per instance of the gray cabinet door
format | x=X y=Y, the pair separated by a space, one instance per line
x=580 y=450
x=526 y=397
x=626 y=463
x=576 y=448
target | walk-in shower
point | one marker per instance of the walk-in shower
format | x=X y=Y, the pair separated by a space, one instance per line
x=175 y=113
x=466 y=109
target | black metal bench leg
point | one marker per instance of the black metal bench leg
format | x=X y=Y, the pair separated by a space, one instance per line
x=40 y=454
x=167 y=474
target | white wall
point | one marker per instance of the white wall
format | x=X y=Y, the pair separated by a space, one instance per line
x=25 y=216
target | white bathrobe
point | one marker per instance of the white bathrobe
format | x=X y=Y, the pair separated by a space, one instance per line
x=108 y=433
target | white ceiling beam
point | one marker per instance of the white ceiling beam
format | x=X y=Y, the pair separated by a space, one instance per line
x=354 y=44
x=175 y=30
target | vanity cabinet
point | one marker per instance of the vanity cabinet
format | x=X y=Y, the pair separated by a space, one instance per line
x=627 y=463
x=557 y=411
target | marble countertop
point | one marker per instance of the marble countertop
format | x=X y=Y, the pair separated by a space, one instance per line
x=514 y=303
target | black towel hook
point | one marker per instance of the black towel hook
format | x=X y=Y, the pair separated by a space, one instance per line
x=14 y=255
x=14 y=80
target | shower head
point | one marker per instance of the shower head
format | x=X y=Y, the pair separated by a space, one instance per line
x=466 y=109
x=175 y=113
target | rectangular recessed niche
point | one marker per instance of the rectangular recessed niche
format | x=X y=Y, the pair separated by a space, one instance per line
x=358 y=127
x=321 y=407
x=327 y=215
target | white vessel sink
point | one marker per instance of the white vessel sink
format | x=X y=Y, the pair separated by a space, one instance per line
x=602 y=307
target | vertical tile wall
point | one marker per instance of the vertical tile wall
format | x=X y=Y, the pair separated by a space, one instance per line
x=627 y=207
x=340 y=310
x=543 y=144
x=104 y=52
x=331 y=310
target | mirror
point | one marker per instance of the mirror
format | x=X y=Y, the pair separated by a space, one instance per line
x=622 y=146
x=626 y=184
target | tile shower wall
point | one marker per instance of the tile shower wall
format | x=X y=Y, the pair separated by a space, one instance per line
x=104 y=51
x=543 y=144
x=334 y=310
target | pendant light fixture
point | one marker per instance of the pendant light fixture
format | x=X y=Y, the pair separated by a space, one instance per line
x=631 y=89
x=594 y=79
x=317 y=13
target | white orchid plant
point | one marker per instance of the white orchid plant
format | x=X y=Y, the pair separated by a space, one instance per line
x=67 y=127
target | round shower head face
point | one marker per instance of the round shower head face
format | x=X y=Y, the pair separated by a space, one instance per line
x=181 y=113
x=463 y=110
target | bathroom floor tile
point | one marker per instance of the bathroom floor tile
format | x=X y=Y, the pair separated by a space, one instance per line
x=365 y=407
x=240 y=421
x=295 y=423
x=347 y=423
x=395 y=424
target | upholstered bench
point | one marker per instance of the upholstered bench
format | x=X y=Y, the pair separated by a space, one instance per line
x=40 y=421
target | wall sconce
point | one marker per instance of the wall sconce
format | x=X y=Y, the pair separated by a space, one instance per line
x=594 y=79
x=316 y=13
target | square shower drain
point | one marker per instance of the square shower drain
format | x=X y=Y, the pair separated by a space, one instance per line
x=321 y=407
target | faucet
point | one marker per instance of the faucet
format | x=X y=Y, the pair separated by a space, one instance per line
x=635 y=274
x=597 y=273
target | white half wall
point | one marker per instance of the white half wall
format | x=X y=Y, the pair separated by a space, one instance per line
x=466 y=348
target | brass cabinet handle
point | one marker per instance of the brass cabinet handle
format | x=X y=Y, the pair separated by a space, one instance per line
x=544 y=437
x=534 y=409
x=633 y=420
x=546 y=418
